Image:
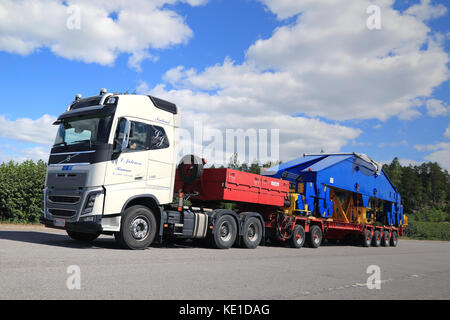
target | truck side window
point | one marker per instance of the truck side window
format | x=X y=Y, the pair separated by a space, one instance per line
x=138 y=141
x=158 y=138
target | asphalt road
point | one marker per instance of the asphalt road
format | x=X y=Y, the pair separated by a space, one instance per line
x=34 y=264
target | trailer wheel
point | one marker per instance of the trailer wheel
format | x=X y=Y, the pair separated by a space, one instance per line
x=81 y=236
x=385 y=238
x=314 y=237
x=224 y=233
x=394 y=239
x=376 y=241
x=298 y=237
x=138 y=228
x=252 y=233
x=366 y=238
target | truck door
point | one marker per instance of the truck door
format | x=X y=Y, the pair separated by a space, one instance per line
x=160 y=157
x=130 y=165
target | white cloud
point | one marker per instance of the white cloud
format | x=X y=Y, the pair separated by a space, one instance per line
x=447 y=132
x=425 y=11
x=38 y=131
x=393 y=144
x=342 y=70
x=440 y=154
x=328 y=64
x=437 y=108
x=36 y=153
x=18 y=151
x=107 y=28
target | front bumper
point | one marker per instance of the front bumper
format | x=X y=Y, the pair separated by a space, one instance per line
x=79 y=226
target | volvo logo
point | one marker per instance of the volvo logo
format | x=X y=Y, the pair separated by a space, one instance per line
x=69 y=157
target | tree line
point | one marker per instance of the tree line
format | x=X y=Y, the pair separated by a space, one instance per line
x=424 y=188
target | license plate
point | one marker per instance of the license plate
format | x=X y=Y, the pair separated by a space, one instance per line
x=59 y=222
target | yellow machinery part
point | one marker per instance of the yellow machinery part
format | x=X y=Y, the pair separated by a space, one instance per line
x=293 y=208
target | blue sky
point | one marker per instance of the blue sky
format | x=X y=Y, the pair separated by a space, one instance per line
x=280 y=67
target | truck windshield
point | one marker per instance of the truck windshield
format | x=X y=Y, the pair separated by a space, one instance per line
x=92 y=129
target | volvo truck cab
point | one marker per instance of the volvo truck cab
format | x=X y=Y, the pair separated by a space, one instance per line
x=113 y=159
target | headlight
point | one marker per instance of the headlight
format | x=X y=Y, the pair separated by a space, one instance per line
x=89 y=206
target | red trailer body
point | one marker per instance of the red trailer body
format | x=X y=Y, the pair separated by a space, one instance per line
x=225 y=184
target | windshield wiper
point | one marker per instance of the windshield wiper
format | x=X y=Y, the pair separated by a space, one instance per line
x=81 y=141
x=58 y=144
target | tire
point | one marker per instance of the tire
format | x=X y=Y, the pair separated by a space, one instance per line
x=252 y=233
x=394 y=239
x=190 y=168
x=314 y=237
x=366 y=238
x=376 y=240
x=83 y=237
x=298 y=237
x=385 y=239
x=138 y=228
x=224 y=233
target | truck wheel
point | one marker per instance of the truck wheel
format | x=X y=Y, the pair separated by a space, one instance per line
x=385 y=238
x=315 y=236
x=394 y=239
x=224 y=233
x=366 y=238
x=376 y=241
x=138 y=228
x=252 y=233
x=298 y=237
x=81 y=236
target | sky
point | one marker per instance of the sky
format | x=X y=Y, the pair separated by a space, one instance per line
x=366 y=76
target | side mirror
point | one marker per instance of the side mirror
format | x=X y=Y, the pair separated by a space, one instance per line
x=121 y=142
x=132 y=130
x=126 y=136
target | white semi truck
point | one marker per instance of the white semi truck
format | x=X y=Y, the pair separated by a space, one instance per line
x=112 y=171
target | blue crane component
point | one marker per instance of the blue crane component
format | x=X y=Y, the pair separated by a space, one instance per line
x=323 y=174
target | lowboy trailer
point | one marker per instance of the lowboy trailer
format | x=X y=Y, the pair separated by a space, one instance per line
x=345 y=197
x=112 y=170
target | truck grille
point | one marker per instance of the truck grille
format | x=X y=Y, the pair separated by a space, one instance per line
x=62 y=212
x=64 y=199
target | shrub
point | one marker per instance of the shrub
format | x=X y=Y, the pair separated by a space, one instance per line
x=21 y=191
x=428 y=230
